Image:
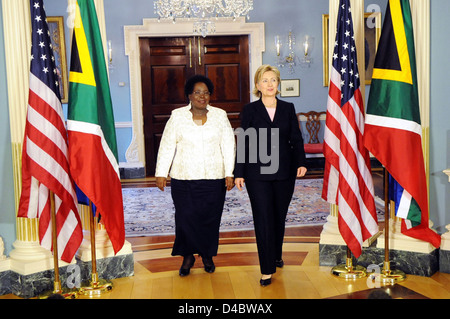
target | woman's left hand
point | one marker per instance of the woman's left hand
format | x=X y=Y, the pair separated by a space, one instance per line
x=229 y=183
x=161 y=182
x=301 y=171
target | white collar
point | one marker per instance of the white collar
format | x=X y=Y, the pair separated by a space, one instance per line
x=189 y=106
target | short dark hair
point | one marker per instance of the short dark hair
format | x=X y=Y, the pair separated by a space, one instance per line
x=190 y=83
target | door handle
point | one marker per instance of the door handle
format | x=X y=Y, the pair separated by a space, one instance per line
x=190 y=53
x=199 y=52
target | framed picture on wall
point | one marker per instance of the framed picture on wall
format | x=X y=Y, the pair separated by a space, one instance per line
x=56 y=28
x=372 y=33
x=290 y=88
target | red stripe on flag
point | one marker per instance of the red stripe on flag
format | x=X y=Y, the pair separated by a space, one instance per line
x=390 y=144
x=347 y=176
x=38 y=138
x=335 y=92
x=400 y=142
x=61 y=185
x=52 y=182
x=44 y=154
x=25 y=195
x=47 y=111
x=352 y=182
x=352 y=242
x=92 y=171
x=332 y=157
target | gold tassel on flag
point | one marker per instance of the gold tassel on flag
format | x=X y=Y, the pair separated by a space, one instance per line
x=57 y=288
x=95 y=287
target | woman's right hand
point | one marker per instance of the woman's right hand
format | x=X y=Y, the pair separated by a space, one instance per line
x=161 y=182
x=239 y=182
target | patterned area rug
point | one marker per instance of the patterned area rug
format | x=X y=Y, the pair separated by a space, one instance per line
x=149 y=211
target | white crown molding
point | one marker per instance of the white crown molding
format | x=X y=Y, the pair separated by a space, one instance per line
x=447 y=171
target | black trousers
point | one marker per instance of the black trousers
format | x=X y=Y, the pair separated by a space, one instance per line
x=270 y=202
x=198 y=211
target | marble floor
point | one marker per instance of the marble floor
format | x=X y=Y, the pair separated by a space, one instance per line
x=237 y=275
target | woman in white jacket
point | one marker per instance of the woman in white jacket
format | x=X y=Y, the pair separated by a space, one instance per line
x=198 y=148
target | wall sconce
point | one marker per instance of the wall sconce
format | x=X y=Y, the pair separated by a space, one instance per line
x=286 y=57
x=307 y=45
x=109 y=52
x=109 y=49
x=111 y=66
x=278 y=45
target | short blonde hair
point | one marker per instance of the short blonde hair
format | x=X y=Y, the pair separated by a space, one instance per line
x=259 y=74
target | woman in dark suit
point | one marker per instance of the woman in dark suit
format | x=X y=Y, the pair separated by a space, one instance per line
x=270 y=155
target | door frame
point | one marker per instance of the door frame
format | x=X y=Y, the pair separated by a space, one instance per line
x=135 y=154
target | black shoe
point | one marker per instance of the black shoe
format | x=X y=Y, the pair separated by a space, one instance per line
x=188 y=262
x=209 y=264
x=265 y=282
x=279 y=263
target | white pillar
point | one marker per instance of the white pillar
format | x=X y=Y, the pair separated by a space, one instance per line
x=4 y=262
x=28 y=256
x=103 y=245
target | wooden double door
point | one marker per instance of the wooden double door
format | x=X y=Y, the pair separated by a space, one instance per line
x=166 y=64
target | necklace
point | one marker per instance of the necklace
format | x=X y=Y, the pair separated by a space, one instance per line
x=272 y=104
x=199 y=117
x=198 y=112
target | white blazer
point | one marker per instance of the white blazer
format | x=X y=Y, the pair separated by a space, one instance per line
x=193 y=152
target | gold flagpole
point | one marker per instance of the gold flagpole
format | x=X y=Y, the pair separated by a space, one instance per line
x=96 y=287
x=387 y=275
x=347 y=270
x=57 y=289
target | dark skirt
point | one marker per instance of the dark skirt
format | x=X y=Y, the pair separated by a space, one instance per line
x=198 y=210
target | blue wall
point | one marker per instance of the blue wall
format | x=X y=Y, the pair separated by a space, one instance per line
x=440 y=115
x=7 y=209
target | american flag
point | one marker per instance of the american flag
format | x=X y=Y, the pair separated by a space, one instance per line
x=347 y=179
x=45 y=166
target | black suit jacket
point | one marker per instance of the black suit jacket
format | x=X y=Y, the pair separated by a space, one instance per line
x=291 y=153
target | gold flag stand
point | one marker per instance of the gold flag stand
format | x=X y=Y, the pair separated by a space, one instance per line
x=347 y=270
x=95 y=287
x=57 y=288
x=387 y=276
